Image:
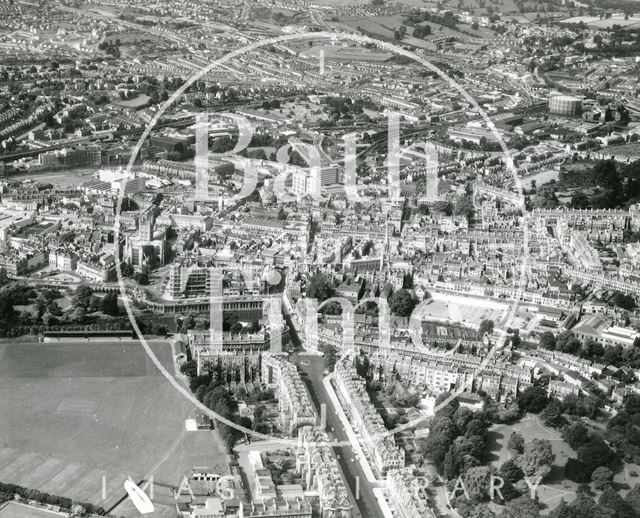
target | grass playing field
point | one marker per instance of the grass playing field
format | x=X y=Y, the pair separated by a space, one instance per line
x=14 y=510
x=73 y=413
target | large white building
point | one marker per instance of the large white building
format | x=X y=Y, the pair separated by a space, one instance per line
x=102 y=270
x=62 y=260
x=597 y=328
x=119 y=178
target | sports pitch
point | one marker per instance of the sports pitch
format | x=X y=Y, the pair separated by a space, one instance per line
x=15 y=510
x=75 y=414
x=469 y=311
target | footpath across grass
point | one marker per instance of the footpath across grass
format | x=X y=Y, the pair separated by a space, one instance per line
x=556 y=485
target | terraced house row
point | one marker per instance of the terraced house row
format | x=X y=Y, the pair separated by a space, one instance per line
x=296 y=409
x=364 y=417
x=321 y=472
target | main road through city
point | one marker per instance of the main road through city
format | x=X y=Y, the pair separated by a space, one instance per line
x=312 y=368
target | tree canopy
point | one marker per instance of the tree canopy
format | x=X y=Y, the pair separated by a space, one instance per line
x=320 y=287
x=402 y=303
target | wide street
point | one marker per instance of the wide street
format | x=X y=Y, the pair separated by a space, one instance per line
x=312 y=368
x=312 y=371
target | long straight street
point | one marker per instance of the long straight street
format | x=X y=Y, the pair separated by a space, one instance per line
x=312 y=371
x=312 y=368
